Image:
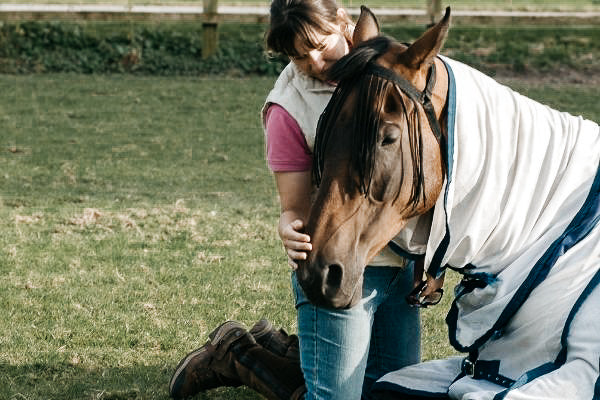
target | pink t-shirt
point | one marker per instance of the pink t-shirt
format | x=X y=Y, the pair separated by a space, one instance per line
x=287 y=150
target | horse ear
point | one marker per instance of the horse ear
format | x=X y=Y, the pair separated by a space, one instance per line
x=423 y=50
x=366 y=28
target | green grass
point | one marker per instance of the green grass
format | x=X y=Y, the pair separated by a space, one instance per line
x=136 y=214
x=418 y=4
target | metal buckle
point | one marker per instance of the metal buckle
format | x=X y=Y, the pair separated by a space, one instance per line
x=468 y=367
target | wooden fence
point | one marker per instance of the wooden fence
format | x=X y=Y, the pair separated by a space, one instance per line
x=210 y=15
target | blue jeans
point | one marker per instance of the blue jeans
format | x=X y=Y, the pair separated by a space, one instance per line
x=343 y=352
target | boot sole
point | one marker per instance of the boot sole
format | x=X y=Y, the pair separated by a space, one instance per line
x=215 y=336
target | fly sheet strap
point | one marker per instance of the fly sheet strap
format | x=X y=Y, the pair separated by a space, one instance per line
x=423 y=98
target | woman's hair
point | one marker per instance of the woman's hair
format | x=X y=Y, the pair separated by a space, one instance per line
x=299 y=18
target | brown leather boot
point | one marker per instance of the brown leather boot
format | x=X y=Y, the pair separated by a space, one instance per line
x=232 y=357
x=194 y=375
x=276 y=341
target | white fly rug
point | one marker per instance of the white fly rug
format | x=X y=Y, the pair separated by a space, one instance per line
x=518 y=218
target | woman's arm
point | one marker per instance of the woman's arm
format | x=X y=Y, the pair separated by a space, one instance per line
x=295 y=198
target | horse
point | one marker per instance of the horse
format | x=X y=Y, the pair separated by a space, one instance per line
x=442 y=163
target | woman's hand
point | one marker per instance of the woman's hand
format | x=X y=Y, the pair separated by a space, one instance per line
x=426 y=292
x=432 y=284
x=296 y=243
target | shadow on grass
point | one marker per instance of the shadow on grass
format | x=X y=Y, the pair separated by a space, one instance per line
x=68 y=381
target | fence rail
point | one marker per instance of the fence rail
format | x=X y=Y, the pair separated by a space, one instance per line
x=227 y=13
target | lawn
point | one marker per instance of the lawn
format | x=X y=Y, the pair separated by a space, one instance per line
x=137 y=213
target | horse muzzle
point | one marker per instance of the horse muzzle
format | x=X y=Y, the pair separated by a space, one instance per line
x=328 y=285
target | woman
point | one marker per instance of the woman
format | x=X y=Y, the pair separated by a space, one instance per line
x=342 y=352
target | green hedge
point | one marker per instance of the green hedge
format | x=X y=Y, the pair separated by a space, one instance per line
x=175 y=48
x=162 y=49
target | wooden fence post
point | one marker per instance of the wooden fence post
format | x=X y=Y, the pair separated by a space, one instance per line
x=434 y=10
x=210 y=36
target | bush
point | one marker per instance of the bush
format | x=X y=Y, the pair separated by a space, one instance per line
x=165 y=49
x=175 y=48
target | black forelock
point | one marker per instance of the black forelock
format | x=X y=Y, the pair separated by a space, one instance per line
x=349 y=72
x=354 y=63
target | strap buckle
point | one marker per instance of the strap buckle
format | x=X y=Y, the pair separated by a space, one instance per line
x=487 y=370
x=468 y=367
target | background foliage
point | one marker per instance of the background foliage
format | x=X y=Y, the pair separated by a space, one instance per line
x=98 y=47
x=171 y=48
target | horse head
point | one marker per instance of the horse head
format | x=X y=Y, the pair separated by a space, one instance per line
x=378 y=161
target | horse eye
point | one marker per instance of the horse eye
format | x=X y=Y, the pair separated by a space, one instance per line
x=388 y=140
x=390 y=135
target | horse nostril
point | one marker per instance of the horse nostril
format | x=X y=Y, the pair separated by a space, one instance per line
x=334 y=276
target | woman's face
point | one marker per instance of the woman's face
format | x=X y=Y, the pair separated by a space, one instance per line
x=316 y=62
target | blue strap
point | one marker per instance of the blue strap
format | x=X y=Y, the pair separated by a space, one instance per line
x=527 y=377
